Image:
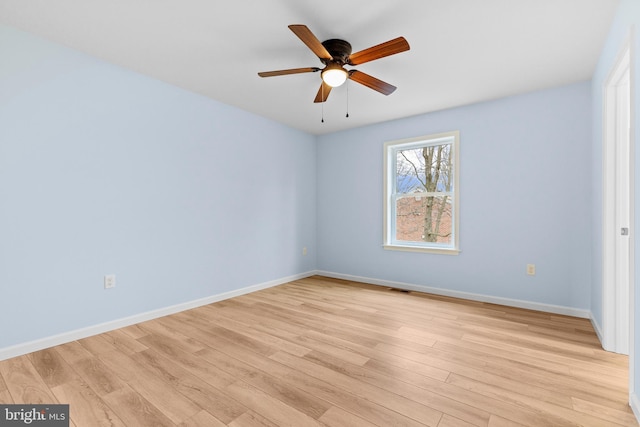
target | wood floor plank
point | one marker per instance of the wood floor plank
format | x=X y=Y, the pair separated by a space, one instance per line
x=568 y=415
x=134 y=331
x=564 y=385
x=505 y=367
x=153 y=388
x=338 y=417
x=251 y=419
x=53 y=369
x=73 y=352
x=337 y=351
x=124 y=342
x=319 y=320
x=159 y=327
x=497 y=421
x=421 y=413
x=375 y=355
x=473 y=416
x=284 y=327
x=202 y=419
x=269 y=407
x=135 y=410
x=210 y=373
x=618 y=416
x=24 y=383
x=193 y=388
x=449 y=421
x=207 y=332
x=568 y=335
x=5 y=396
x=544 y=360
x=276 y=386
x=350 y=330
x=241 y=362
x=97 y=344
x=207 y=315
x=87 y=408
x=3 y=384
x=98 y=376
x=331 y=352
x=510 y=411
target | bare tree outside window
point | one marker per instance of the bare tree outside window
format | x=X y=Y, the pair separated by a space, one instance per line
x=423 y=211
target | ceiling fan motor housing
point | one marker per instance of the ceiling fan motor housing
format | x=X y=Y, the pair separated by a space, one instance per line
x=340 y=50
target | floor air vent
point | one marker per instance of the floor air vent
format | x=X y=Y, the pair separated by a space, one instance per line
x=399 y=290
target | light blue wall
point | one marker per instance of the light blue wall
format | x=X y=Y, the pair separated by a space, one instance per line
x=105 y=171
x=524 y=198
x=627 y=17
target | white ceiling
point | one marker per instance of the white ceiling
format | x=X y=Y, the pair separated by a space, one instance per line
x=462 y=51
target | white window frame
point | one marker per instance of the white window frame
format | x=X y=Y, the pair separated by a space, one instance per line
x=390 y=152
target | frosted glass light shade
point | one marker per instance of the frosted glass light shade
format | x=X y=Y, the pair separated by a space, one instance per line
x=334 y=76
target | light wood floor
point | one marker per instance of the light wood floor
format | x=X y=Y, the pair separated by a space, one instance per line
x=324 y=352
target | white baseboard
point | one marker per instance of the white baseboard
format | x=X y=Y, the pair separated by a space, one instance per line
x=548 y=308
x=596 y=327
x=31 y=346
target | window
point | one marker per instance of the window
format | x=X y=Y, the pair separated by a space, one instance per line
x=421 y=194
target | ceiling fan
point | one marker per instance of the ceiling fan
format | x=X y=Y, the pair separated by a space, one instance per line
x=335 y=54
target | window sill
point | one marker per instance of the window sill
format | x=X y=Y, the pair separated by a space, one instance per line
x=409 y=248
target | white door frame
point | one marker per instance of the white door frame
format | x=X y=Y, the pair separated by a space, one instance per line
x=614 y=301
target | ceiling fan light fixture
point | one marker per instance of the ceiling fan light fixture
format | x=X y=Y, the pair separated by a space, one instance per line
x=334 y=75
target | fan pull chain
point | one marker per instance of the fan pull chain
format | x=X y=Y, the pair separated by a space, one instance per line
x=322 y=89
x=347 y=98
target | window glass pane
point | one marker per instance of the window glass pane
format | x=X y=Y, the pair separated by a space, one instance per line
x=424 y=219
x=424 y=169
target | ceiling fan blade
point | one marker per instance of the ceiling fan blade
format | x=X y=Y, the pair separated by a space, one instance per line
x=323 y=93
x=311 y=41
x=379 y=51
x=371 y=82
x=289 y=71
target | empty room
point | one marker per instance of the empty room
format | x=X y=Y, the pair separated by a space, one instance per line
x=296 y=213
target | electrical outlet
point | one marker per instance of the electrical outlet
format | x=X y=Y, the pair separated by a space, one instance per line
x=304 y=251
x=531 y=269
x=110 y=281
